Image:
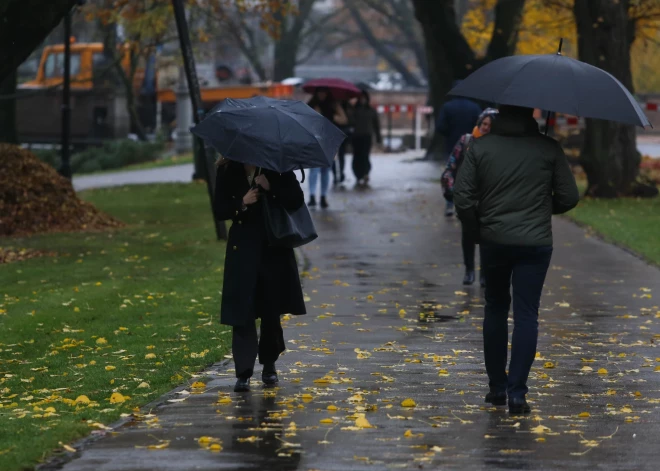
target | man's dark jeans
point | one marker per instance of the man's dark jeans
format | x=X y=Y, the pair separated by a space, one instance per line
x=525 y=269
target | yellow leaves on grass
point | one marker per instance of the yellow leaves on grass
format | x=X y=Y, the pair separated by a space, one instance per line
x=150 y=356
x=82 y=399
x=101 y=341
x=408 y=403
x=117 y=398
x=110 y=368
x=143 y=385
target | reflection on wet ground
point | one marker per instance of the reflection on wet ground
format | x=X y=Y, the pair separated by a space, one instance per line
x=386 y=370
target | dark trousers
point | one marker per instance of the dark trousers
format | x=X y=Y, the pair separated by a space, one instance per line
x=525 y=269
x=339 y=163
x=245 y=345
x=468 y=245
x=361 y=151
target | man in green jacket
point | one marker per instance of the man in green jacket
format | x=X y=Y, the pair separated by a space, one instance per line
x=510 y=184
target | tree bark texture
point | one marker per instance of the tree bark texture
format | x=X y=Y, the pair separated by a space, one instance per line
x=609 y=155
x=8 y=129
x=24 y=24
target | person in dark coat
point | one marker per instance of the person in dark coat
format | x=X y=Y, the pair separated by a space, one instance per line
x=339 y=163
x=260 y=281
x=449 y=176
x=455 y=118
x=366 y=126
x=510 y=184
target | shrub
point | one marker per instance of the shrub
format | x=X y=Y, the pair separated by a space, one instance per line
x=111 y=155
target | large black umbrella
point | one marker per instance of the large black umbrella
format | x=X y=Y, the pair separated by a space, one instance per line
x=280 y=135
x=553 y=82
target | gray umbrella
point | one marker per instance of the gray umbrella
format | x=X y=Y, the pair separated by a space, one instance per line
x=280 y=135
x=553 y=82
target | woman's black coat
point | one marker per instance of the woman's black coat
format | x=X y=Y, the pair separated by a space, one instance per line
x=259 y=280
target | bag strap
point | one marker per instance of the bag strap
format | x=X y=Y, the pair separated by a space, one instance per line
x=303 y=174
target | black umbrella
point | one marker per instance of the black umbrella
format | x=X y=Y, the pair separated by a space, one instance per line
x=553 y=82
x=280 y=135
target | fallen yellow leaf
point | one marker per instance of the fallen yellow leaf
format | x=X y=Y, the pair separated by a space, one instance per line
x=408 y=403
x=82 y=399
x=117 y=398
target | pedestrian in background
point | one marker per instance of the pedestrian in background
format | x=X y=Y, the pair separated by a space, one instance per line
x=260 y=281
x=366 y=127
x=510 y=184
x=455 y=118
x=340 y=162
x=454 y=162
x=323 y=103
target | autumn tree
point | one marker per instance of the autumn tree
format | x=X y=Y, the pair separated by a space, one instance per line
x=389 y=28
x=146 y=24
x=295 y=30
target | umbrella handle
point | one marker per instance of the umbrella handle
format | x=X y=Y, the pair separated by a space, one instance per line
x=547 y=121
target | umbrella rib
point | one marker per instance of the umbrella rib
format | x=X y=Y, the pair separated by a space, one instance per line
x=519 y=73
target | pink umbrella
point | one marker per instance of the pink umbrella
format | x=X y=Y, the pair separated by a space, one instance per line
x=340 y=89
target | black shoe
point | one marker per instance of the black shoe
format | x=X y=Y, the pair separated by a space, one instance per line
x=518 y=405
x=342 y=179
x=482 y=280
x=496 y=398
x=242 y=385
x=468 y=279
x=269 y=379
x=324 y=202
x=312 y=202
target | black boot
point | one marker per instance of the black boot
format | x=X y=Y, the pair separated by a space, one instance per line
x=312 y=201
x=242 y=385
x=482 y=279
x=269 y=375
x=324 y=202
x=468 y=279
x=518 y=405
x=496 y=398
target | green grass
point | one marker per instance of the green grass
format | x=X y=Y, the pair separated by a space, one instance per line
x=151 y=288
x=632 y=223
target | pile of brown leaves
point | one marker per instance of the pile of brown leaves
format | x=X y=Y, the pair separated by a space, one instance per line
x=34 y=198
x=12 y=254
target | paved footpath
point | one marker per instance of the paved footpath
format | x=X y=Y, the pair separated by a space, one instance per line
x=389 y=322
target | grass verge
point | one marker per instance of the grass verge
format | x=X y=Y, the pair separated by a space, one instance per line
x=631 y=223
x=111 y=322
x=164 y=162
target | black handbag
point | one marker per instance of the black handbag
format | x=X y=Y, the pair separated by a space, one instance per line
x=288 y=228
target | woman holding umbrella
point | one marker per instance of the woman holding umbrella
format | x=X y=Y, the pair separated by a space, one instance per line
x=323 y=103
x=260 y=281
x=262 y=141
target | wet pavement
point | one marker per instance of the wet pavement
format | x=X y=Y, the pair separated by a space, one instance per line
x=390 y=322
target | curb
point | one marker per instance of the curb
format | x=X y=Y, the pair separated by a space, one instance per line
x=56 y=462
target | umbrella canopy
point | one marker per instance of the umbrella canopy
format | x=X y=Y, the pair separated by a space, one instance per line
x=280 y=135
x=341 y=89
x=553 y=82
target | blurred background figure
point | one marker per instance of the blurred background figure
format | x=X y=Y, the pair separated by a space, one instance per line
x=323 y=103
x=449 y=177
x=456 y=118
x=366 y=126
x=339 y=163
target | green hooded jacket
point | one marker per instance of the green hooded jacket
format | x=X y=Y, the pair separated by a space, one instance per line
x=511 y=182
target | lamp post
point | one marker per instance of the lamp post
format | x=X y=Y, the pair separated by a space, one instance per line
x=203 y=168
x=65 y=168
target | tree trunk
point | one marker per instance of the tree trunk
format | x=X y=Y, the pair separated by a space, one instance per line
x=286 y=53
x=25 y=24
x=609 y=155
x=8 y=130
